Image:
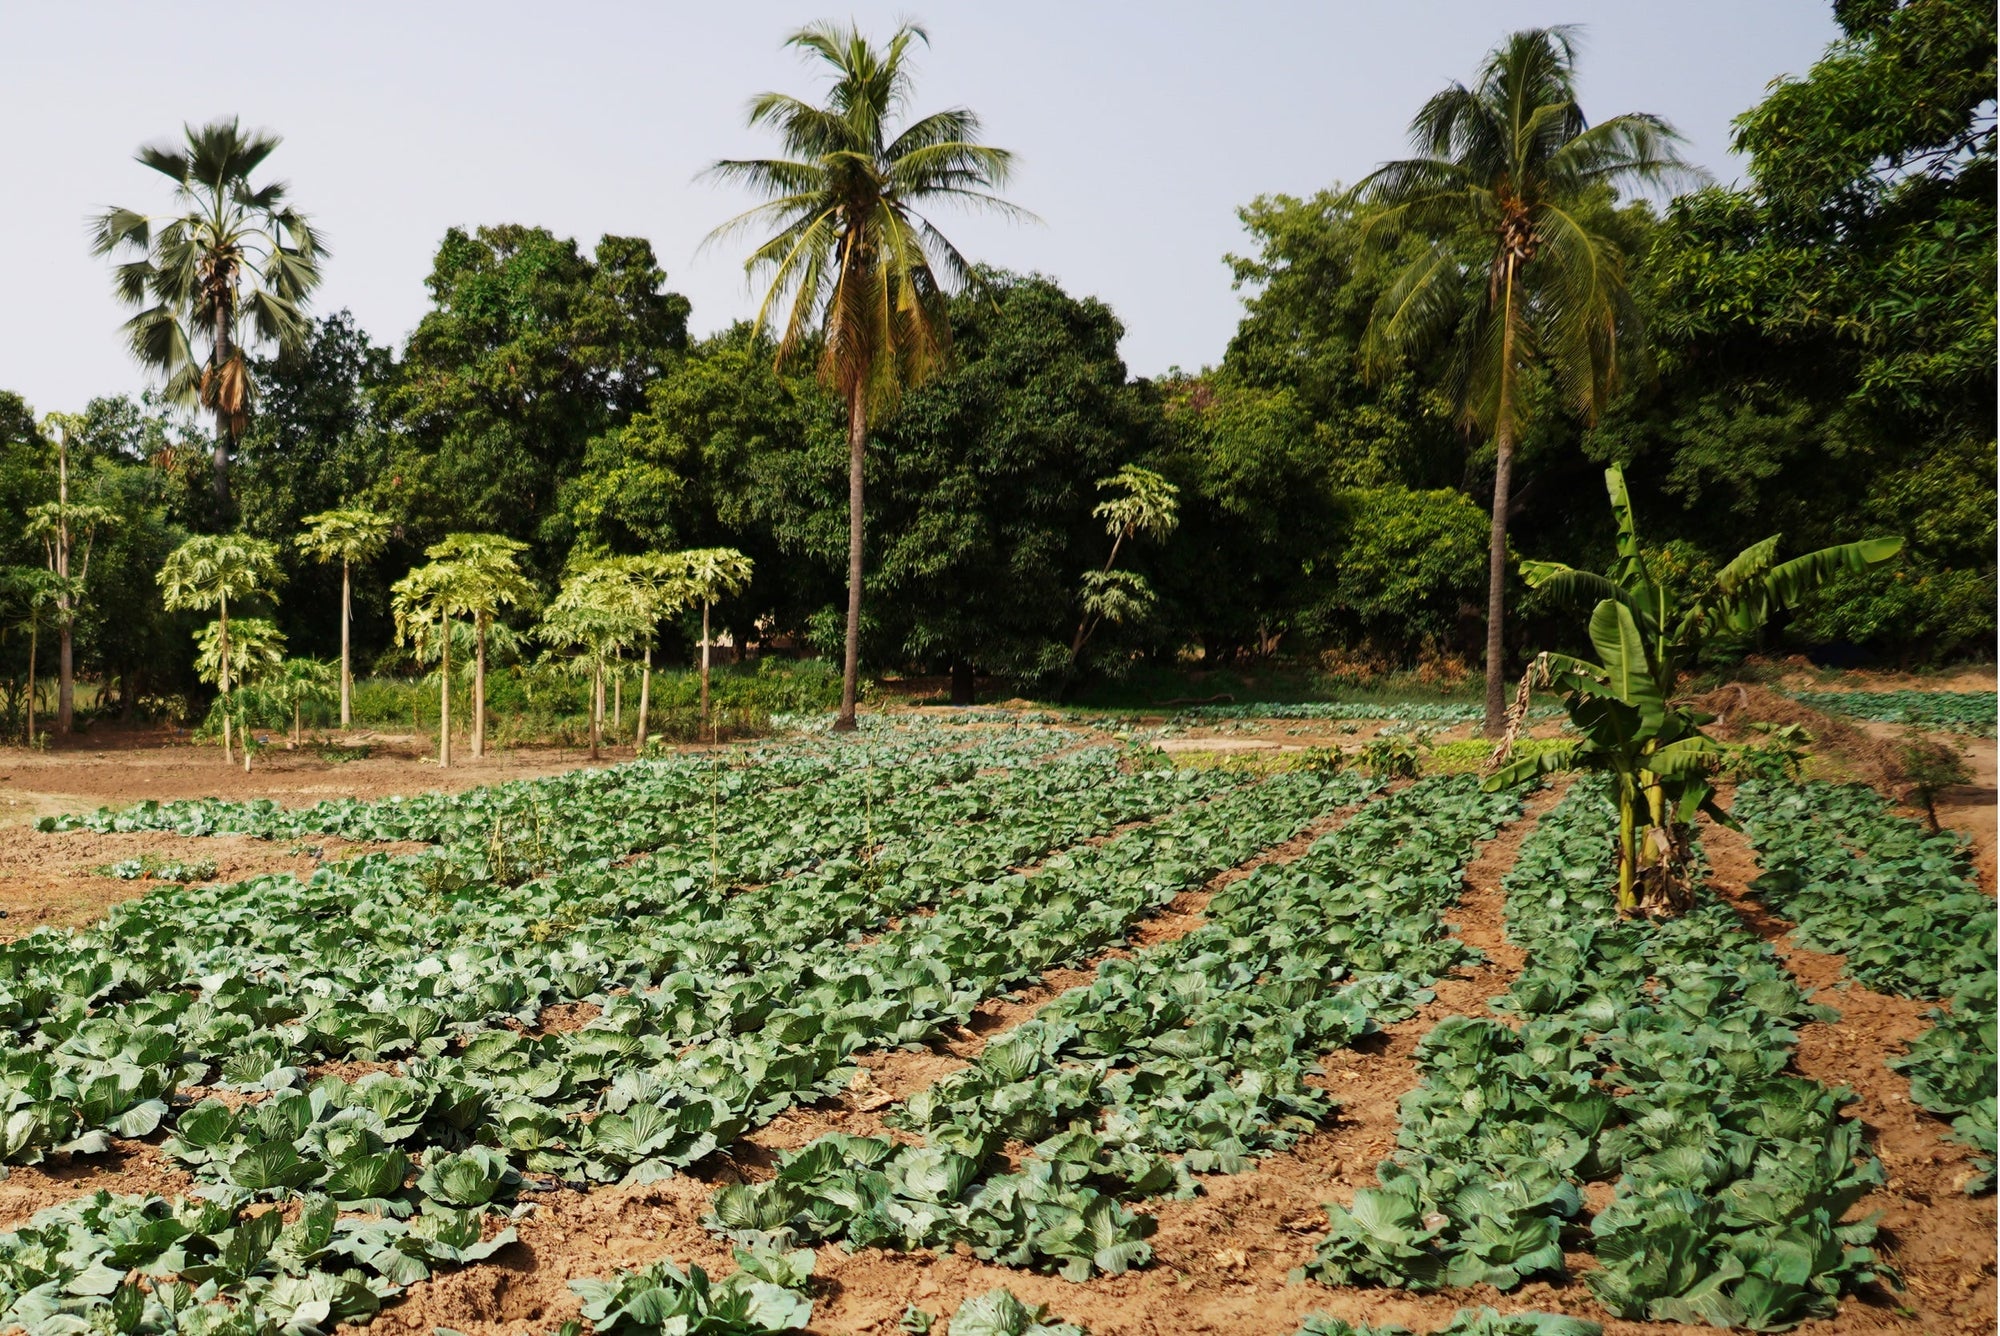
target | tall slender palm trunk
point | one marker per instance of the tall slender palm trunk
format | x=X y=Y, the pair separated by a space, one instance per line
x=857 y=453
x=225 y=435
x=1496 y=555
x=346 y=650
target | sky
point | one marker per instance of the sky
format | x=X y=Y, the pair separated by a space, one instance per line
x=1138 y=129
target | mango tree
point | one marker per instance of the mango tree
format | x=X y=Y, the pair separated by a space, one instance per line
x=1624 y=703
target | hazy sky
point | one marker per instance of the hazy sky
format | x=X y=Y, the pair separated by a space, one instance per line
x=1139 y=130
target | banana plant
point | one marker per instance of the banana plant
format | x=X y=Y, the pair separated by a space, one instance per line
x=1624 y=703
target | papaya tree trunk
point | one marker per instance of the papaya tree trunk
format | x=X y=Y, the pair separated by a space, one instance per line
x=479 y=691
x=222 y=643
x=857 y=454
x=704 y=660
x=645 y=701
x=444 y=694
x=346 y=652
x=34 y=635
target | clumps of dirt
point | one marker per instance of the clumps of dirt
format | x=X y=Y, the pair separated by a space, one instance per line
x=562 y=1017
x=1740 y=704
x=130 y=1167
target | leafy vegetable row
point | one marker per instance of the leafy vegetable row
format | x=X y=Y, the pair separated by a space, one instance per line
x=251 y=982
x=1188 y=1057
x=1649 y=1054
x=627 y=1095
x=1958 y=711
x=1467 y=1322
x=1905 y=908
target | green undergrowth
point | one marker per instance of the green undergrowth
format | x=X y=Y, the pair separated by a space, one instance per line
x=1904 y=907
x=1647 y=1055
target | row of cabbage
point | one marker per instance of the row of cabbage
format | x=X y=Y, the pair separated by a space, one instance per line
x=1957 y=711
x=584 y=813
x=1648 y=1055
x=1903 y=905
x=1188 y=1057
x=664 y=1077
x=241 y=986
x=1409 y=712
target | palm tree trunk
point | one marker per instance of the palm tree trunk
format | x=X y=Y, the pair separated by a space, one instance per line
x=857 y=453
x=645 y=701
x=479 y=692
x=1496 y=553
x=444 y=694
x=704 y=654
x=346 y=656
x=224 y=433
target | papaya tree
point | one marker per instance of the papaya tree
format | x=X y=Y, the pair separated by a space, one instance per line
x=239 y=657
x=596 y=615
x=207 y=571
x=1624 y=704
x=1140 y=502
x=710 y=574
x=424 y=602
x=487 y=571
x=350 y=537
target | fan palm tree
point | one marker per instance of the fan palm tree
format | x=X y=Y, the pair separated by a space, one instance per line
x=1512 y=275
x=231 y=263
x=853 y=258
x=206 y=572
x=348 y=537
x=488 y=578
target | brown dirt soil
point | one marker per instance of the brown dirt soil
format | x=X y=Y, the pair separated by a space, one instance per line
x=1939 y=1238
x=129 y=1167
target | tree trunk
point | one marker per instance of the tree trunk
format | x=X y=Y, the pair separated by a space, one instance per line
x=34 y=635
x=596 y=704
x=704 y=658
x=961 y=683
x=225 y=434
x=222 y=643
x=479 y=693
x=857 y=454
x=645 y=701
x=444 y=694
x=346 y=655
x=618 y=697
x=65 y=676
x=1496 y=554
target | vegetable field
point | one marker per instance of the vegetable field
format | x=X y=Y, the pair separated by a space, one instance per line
x=1004 y=1024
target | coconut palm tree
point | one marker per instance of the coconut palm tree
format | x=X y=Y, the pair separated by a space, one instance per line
x=852 y=257
x=488 y=578
x=1512 y=276
x=206 y=572
x=231 y=263
x=349 y=537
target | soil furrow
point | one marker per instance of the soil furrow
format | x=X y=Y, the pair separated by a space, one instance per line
x=1941 y=1239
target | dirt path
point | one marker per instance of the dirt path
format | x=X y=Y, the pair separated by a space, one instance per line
x=1941 y=1239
